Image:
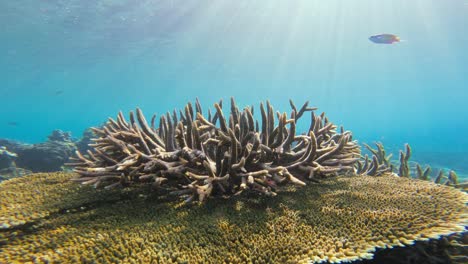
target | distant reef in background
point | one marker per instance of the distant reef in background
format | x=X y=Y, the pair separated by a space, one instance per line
x=18 y=158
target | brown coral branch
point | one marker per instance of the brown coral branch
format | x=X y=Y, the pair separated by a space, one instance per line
x=195 y=157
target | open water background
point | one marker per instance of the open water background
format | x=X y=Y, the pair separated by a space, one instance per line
x=70 y=64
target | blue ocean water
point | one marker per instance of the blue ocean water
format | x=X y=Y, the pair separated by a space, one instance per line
x=70 y=64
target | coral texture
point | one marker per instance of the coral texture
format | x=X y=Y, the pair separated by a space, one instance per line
x=48 y=219
x=195 y=156
x=381 y=164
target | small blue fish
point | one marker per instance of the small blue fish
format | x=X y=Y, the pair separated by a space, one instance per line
x=384 y=39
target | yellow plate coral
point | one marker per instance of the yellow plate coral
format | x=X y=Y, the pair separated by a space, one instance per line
x=46 y=218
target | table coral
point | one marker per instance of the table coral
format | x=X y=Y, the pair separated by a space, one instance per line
x=343 y=218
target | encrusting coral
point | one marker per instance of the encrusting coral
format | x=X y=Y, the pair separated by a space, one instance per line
x=29 y=198
x=195 y=156
x=53 y=220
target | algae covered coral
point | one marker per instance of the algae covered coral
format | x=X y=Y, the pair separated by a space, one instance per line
x=340 y=219
x=195 y=156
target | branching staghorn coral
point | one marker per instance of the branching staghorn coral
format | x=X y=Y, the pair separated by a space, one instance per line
x=404 y=171
x=195 y=156
x=379 y=164
x=451 y=179
x=423 y=174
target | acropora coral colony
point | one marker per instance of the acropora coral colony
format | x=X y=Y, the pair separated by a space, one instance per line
x=196 y=156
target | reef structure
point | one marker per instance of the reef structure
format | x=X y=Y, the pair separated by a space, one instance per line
x=46 y=156
x=46 y=218
x=381 y=164
x=196 y=156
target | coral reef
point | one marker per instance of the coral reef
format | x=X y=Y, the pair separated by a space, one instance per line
x=449 y=249
x=86 y=139
x=12 y=172
x=423 y=174
x=47 y=218
x=42 y=157
x=60 y=136
x=8 y=168
x=45 y=157
x=195 y=156
x=404 y=170
x=4 y=152
x=6 y=157
x=381 y=164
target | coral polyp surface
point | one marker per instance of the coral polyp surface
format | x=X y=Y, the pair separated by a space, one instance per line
x=341 y=219
x=196 y=156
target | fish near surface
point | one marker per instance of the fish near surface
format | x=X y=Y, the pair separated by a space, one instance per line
x=385 y=39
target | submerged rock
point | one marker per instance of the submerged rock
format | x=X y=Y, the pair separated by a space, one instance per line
x=47 y=218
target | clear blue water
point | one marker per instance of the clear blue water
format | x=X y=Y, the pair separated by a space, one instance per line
x=71 y=64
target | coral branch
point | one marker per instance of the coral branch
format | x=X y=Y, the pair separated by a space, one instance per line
x=196 y=157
